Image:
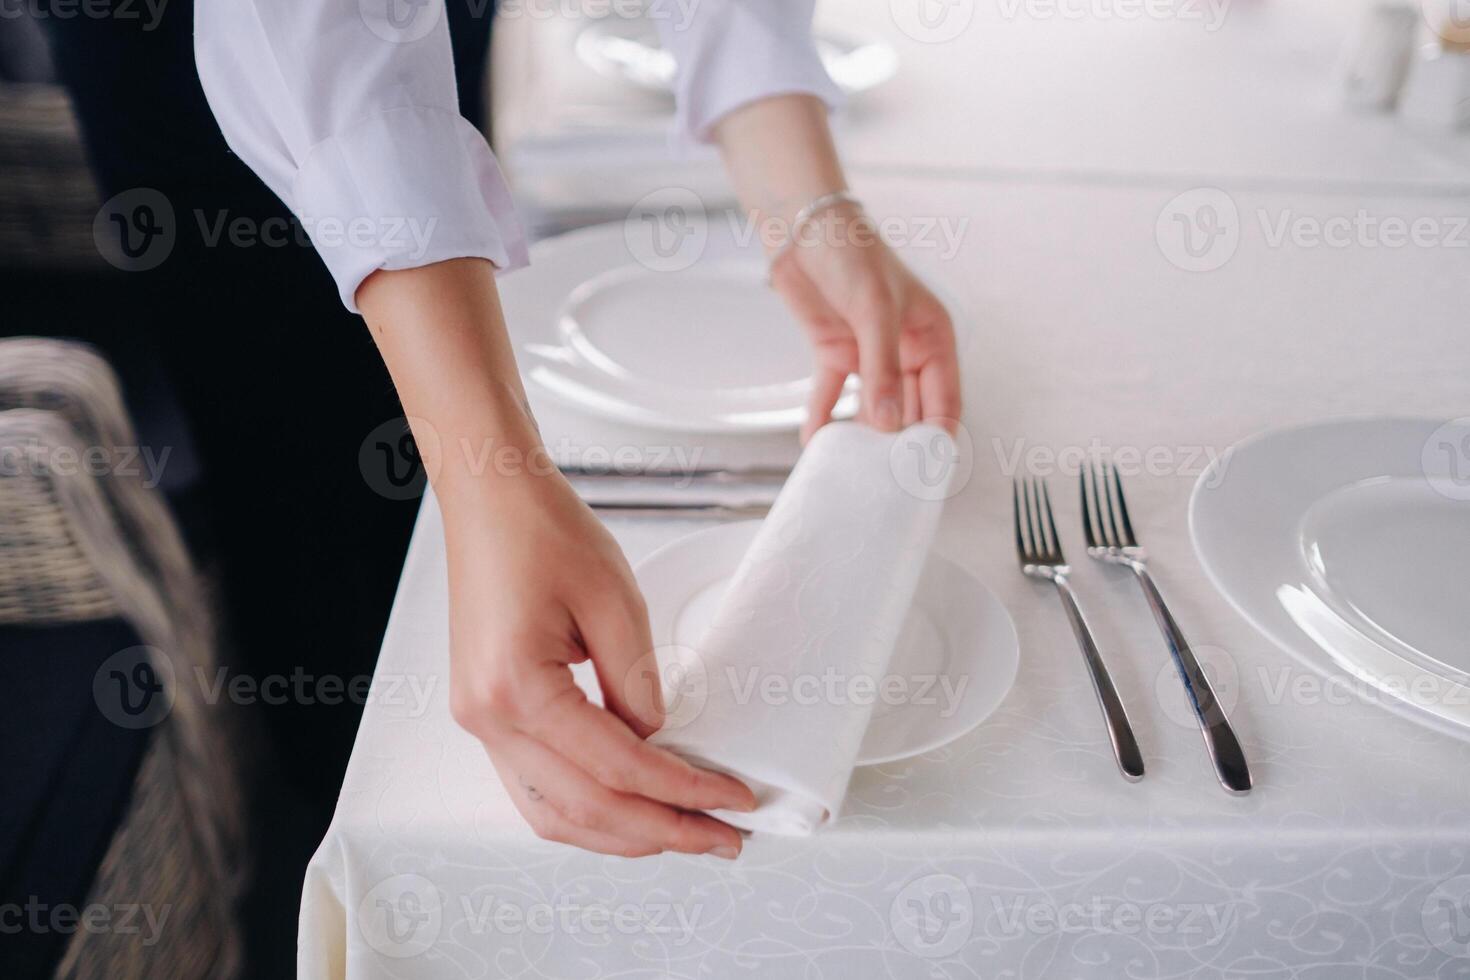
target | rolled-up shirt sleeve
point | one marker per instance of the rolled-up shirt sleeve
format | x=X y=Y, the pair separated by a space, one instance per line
x=730 y=53
x=349 y=112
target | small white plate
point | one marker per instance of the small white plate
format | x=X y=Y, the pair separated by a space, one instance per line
x=957 y=633
x=628 y=50
x=1348 y=544
x=709 y=347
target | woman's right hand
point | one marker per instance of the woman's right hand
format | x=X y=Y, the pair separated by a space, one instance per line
x=536 y=584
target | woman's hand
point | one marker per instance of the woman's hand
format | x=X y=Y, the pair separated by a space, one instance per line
x=536 y=584
x=865 y=312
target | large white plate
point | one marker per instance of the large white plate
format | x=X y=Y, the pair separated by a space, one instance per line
x=705 y=347
x=957 y=633
x=1348 y=544
x=628 y=50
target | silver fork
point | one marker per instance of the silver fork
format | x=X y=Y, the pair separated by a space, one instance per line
x=1041 y=557
x=1112 y=540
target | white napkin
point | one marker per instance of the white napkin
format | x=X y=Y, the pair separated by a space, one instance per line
x=780 y=690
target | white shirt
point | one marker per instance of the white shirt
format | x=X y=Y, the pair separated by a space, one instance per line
x=347 y=109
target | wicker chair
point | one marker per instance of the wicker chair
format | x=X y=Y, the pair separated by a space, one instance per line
x=76 y=546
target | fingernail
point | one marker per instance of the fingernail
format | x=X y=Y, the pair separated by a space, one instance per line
x=743 y=805
x=890 y=414
x=725 y=851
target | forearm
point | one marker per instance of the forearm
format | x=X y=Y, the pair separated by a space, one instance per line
x=780 y=156
x=442 y=334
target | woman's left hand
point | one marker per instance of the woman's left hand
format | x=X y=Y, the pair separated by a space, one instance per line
x=867 y=314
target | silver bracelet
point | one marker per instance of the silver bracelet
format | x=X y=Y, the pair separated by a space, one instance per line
x=810 y=210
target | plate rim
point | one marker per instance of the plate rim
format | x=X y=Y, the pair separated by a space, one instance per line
x=1295 y=640
x=985 y=594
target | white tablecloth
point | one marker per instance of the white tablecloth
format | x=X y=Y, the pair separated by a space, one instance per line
x=1017 y=851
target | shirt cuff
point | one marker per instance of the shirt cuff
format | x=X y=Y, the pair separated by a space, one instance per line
x=406 y=188
x=740 y=55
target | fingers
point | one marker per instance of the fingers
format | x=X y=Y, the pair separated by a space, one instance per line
x=561 y=802
x=827 y=386
x=876 y=328
x=939 y=374
x=617 y=630
x=609 y=752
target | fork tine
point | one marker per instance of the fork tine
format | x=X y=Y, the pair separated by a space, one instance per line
x=1086 y=507
x=1016 y=517
x=1128 y=541
x=1099 y=504
x=1105 y=505
x=1056 y=539
x=1028 y=491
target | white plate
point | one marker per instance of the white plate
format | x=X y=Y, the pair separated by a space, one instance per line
x=709 y=347
x=628 y=50
x=957 y=633
x=1348 y=544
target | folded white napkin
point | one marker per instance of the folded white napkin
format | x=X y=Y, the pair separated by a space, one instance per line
x=786 y=674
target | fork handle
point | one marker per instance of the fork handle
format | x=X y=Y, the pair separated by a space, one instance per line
x=1120 y=730
x=1220 y=740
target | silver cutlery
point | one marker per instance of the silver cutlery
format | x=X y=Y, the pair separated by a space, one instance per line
x=1040 y=551
x=1112 y=540
x=692 y=474
x=693 y=508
